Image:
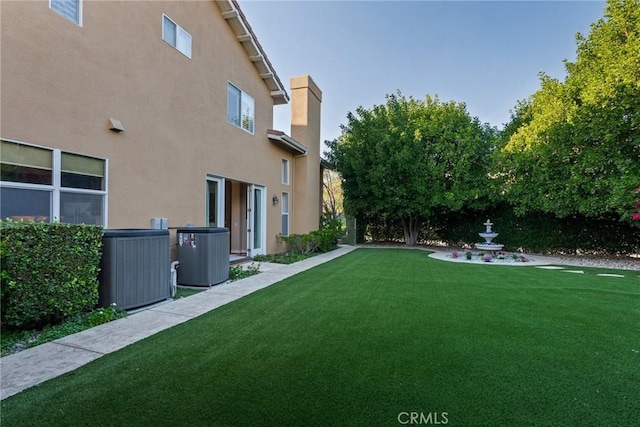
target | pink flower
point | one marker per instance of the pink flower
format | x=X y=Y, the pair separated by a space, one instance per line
x=635 y=216
x=638 y=203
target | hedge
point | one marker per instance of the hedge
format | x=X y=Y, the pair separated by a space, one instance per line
x=544 y=233
x=535 y=233
x=49 y=271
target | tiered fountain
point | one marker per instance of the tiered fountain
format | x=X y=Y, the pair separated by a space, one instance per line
x=488 y=236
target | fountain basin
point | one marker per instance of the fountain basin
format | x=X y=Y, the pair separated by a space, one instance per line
x=489 y=246
x=488 y=237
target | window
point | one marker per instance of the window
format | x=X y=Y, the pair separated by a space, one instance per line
x=285 y=171
x=70 y=9
x=27 y=204
x=81 y=208
x=240 y=108
x=82 y=172
x=285 y=214
x=23 y=163
x=44 y=184
x=177 y=37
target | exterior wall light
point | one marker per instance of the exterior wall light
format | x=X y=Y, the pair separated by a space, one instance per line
x=275 y=200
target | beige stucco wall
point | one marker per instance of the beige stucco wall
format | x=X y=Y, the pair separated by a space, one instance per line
x=306 y=99
x=60 y=83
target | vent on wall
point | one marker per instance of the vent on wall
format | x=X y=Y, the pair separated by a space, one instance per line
x=115 y=125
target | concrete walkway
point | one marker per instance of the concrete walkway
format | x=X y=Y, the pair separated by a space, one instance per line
x=35 y=365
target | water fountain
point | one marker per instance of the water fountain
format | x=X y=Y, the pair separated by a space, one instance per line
x=488 y=236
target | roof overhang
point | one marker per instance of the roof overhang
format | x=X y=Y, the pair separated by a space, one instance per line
x=244 y=34
x=286 y=142
x=324 y=164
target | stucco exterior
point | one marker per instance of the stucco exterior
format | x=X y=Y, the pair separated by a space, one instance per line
x=61 y=83
x=305 y=127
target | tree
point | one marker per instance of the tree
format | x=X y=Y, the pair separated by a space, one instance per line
x=331 y=194
x=412 y=160
x=576 y=146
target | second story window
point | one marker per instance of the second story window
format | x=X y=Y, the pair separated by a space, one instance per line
x=70 y=9
x=285 y=171
x=176 y=36
x=240 y=108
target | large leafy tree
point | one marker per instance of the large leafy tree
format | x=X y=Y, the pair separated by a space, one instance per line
x=574 y=146
x=410 y=160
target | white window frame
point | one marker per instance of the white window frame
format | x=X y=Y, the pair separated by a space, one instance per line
x=236 y=118
x=285 y=209
x=286 y=171
x=185 y=50
x=76 y=20
x=219 y=202
x=56 y=187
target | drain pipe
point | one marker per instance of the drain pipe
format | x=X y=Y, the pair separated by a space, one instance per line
x=174 y=278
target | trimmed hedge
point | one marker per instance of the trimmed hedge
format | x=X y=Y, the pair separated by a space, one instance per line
x=49 y=271
x=537 y=233
x=544 y=233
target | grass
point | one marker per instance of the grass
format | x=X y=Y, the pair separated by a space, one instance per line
x=369 y=336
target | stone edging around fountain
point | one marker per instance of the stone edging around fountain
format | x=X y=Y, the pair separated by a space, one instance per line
x=537 y=260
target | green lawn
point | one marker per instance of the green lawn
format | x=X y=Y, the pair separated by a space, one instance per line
x=368 y=337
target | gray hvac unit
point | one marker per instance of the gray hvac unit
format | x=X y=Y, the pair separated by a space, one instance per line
x=203 y=253
x=134 y=268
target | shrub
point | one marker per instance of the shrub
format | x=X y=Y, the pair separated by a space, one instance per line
x=49 y=271
x=104 y=315
x=316 y=241
x=300 y=243
x=328 y=222
x=16 y=340
x=285 y=258
x=238 y=272
x=325 y=239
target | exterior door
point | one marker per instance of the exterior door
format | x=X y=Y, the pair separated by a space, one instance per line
x=215 y=202
x=256 y=220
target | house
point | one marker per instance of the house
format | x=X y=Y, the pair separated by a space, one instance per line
x=153 y=114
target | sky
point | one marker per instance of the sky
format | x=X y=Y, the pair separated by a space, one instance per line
x=487 y=54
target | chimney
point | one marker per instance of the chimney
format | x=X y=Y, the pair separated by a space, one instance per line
x=306 y=98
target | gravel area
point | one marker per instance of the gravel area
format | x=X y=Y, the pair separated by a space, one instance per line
x=622 y=263
x=618 y=262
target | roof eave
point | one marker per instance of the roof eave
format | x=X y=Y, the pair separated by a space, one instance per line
x=325 y=164
x=285 y=141
x=244 y=34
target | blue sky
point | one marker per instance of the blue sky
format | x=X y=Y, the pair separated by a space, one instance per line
x=486 y=54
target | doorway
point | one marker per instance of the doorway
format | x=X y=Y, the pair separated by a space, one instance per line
x=239 y=207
